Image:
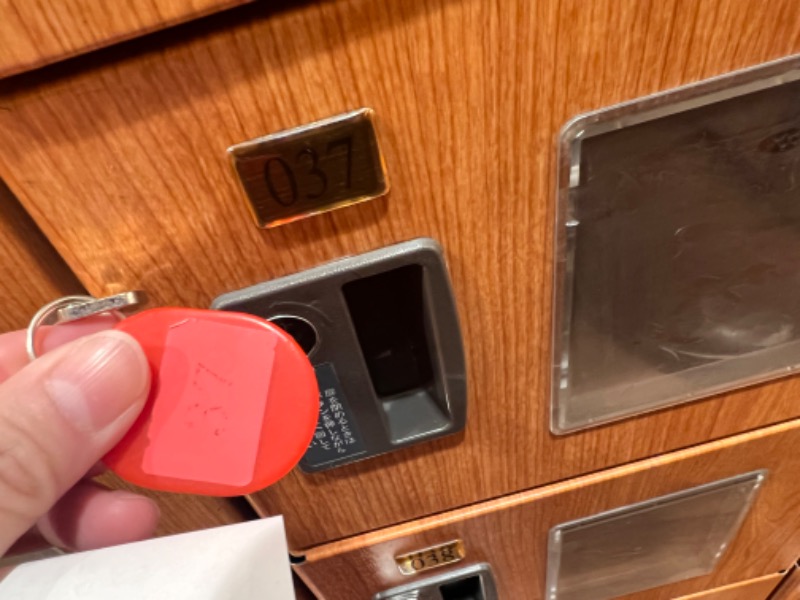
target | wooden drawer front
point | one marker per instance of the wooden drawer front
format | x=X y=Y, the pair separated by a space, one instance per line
x=38 y=33
x=759 y=588
x=511 y=534
x=120 y=158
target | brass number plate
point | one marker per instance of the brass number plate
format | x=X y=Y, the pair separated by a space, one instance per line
x=430 y=558
x=311 y=169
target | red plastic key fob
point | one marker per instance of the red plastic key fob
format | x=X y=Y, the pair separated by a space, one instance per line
x=233 y=405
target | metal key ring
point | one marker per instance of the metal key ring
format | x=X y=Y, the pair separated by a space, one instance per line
x=73 y=308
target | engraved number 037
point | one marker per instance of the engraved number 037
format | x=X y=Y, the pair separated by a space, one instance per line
x=306 y=167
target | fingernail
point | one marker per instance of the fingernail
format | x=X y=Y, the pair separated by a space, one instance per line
x=98 y=379
x=148 y=504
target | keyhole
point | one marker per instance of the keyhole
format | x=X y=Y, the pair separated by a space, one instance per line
x=301 y=330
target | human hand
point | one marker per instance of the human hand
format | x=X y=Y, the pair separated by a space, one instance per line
x=58 y=416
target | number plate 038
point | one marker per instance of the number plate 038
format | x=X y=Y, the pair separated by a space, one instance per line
x=430 y=558
x=311 y=169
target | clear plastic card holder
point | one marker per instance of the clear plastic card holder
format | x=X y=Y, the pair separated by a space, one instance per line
x=677 y=251
x=648 y=544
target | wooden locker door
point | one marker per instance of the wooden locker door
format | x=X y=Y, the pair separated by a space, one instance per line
x=36 y=34
x=120 y=158
x=511 y=533
x=33 y=274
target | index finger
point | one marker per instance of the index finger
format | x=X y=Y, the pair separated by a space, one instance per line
x=13 y=355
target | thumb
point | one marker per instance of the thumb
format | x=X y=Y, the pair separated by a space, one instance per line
x=58 y=416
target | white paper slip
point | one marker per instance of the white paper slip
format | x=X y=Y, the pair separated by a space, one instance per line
x=247 y=561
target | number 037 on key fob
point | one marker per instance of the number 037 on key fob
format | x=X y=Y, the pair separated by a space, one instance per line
x=232 y=408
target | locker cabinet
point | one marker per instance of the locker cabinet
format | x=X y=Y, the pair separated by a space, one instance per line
x=119 y=157
x=510 y=534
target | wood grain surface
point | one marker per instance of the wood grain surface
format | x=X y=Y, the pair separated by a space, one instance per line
x=120 y=158
x=32 y=274
x=511 y=533
x=31 y=271
x=759 y=588
x=38 y=32
x=789 y=588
